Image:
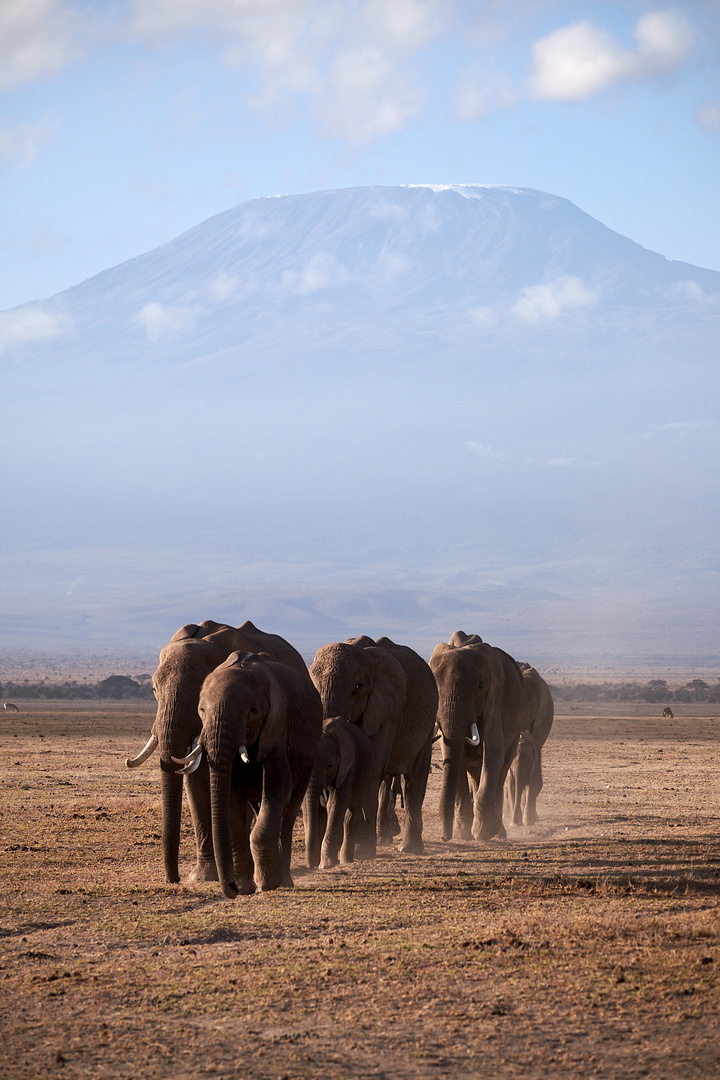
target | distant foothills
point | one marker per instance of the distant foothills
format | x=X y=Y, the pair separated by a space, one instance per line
x=139 y=687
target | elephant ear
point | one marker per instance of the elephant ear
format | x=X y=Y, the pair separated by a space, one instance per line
x=388 y=694
x=460 y=638
x=189 y=630
x=346 y=751
x=236 y=657
x=274 y=729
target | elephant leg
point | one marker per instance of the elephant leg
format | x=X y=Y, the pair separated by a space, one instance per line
x=487 y=817
x=353 y=821
x=366 y=832
x=388 y=825
x=462 y=827
x=197 y=789
x=414 y=786
x=287 y=828
x=242 y=816
x=333 y=839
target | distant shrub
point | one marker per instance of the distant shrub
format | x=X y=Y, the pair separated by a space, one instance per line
x=656 y=691
x=115 y=688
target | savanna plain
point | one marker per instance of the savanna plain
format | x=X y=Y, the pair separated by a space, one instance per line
x=588 y=945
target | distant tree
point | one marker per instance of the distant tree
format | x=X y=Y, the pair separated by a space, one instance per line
x=656 y=690
x=120 y=686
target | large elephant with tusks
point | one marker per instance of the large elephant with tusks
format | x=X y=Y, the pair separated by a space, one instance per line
x=185 y=662
x=482 y=710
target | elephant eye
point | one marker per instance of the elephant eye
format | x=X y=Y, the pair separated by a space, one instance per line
x=358 y=686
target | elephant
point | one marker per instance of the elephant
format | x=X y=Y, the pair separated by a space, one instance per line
x=190 y=655
x=261 y=725
x=525 y=780
x=389 y=691
x=342 y=772
x=483 y=707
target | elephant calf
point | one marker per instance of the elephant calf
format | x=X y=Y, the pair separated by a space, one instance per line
x=343 y=774
x=524 y=780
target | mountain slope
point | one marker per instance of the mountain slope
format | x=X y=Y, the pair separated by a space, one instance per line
x=467 y=401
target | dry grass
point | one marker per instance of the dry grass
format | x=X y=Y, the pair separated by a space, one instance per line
x=588 y=946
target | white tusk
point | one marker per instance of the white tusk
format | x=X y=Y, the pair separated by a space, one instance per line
x=192 y=766
x=474 y=737
x=195 y=752
x=147 y=750
x=242 y=751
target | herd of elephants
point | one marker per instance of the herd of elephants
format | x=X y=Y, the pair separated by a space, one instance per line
x=254 y=736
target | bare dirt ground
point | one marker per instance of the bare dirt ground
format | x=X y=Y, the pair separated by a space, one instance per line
x=588 y=946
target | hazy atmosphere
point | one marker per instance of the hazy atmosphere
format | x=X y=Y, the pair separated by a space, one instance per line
x=361 y=318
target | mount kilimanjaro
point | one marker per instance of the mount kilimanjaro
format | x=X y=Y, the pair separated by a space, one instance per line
x=395 y=410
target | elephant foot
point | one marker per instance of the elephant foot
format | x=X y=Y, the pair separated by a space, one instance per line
x=269 y=882
x=245 y=886
x=327 y=864
x=385 y=839
x=203 y=871
x=412 y=847
x=489 y=828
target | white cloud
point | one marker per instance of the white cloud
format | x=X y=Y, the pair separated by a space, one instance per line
x=222 y=287
x=389 y=266
x=484 y=316
x=683 y=425
x=693 y=291
x=571 y=463
x=350 y=60
x=580 y=60
x=544 y=302
x=19 y=145
x=27 y=324
x=321 y=272
x=480 y=92
x=38 y=38
x=708 y=116
x=482 y=451
x=164 y=320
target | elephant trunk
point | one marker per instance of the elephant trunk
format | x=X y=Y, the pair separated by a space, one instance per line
x=176 y=725
x=456 y=717
x=171 y=786
x=453 y=766
x=311 y=816
x=336 y=702
x=222 y=745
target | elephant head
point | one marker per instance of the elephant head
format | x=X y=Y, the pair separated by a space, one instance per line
x=360 y=683
x=190 y=655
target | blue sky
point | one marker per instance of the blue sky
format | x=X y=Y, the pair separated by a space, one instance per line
x=124 y=123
